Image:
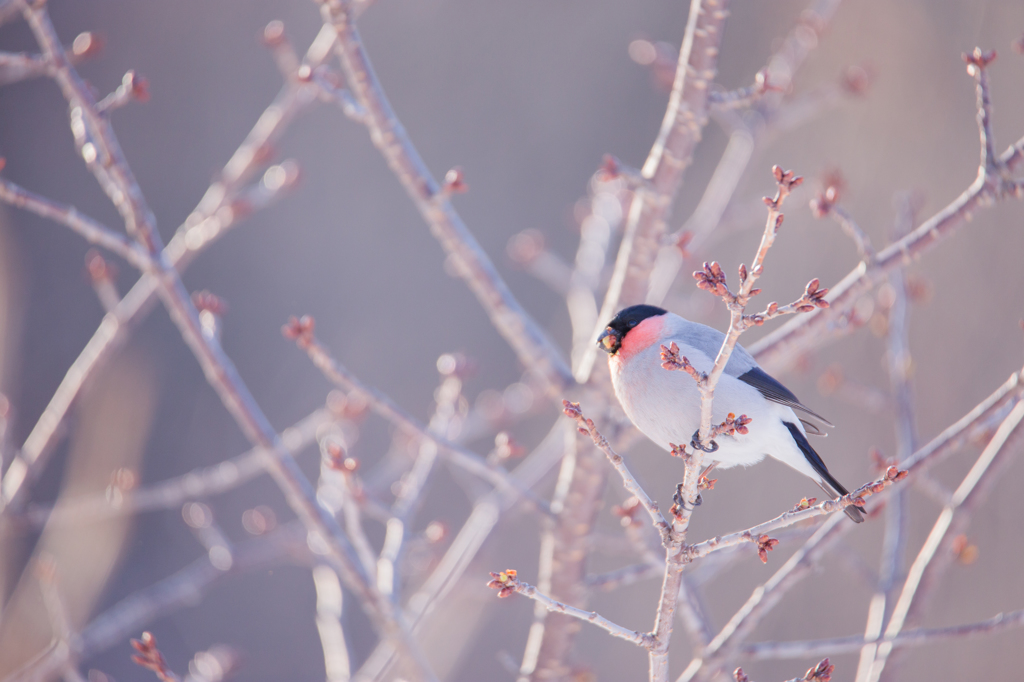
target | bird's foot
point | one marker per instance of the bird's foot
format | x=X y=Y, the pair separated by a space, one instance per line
x=697 y=445
x=679 y=500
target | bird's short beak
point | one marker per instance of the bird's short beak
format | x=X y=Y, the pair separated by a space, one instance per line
x=609 y=341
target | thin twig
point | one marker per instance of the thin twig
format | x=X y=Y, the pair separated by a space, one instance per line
x=587 y=427
x=507 y=584
x=91 y=230
x=751 y=535
x=898 y=361
x=173 y=492
x=907 y=638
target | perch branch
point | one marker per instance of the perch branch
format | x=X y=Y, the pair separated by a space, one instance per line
x=751 y=535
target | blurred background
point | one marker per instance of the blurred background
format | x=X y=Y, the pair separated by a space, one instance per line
x=526 y=97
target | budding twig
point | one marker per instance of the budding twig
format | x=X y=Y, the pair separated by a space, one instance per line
x=586 y=427
x=507 y=583
x=149 y=657
x=221 y=208
x=993 y=182
x=301 y=331
x=803 y=511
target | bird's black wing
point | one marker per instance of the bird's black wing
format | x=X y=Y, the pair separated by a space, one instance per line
x=771 y=389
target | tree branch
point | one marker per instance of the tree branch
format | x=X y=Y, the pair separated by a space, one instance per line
x=91 y=230
x=221 y=208
x=930 y=563
x=301 y=331
x=529 y=342
x=778 y=349
x=508 y=584
x=681 y=130
x=907 y=638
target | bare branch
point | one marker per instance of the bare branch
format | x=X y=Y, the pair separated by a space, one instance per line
x=586 y=427
x=178 y=590
x=93 y=231
x=745 y=137
x=102 y=153
x=930 y=562
x=221 y=208
x=779 y=348
x=899 y=366
x=681 y=130
x=906 y=638
x=529 y=342
x=122 y=498
x=329 y=624
x=467 y=542
x=766 y=596
x=855 y=498
x=301 y=330
x=508 y=584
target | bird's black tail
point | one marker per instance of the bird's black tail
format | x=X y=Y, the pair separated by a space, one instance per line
x=828 y=482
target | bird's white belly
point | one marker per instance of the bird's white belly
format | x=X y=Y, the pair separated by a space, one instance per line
x=665 y=406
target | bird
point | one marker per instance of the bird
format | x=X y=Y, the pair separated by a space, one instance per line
x=665 y=405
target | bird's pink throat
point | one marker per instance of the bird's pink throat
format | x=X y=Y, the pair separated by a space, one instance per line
x=640 y=338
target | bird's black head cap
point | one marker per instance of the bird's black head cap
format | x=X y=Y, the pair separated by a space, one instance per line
x=611 y=339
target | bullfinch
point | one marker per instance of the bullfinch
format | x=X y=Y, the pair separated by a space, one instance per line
x=665 y=405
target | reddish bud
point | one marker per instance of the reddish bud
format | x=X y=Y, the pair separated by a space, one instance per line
x=300 y=330
x=765 y=544
x=137 y=85
x=454 y=182
x=609 y=168
x=204 y=300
